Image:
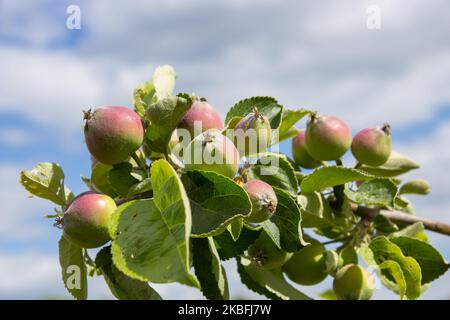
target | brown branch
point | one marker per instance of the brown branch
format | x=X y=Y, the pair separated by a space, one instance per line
x=404 y=218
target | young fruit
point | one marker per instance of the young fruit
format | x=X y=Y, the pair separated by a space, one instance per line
x=265 y=254
x=263 y=198
x=252 y=133
x=353 y=282
x=327 y=137
x=372 y=146
x=200 y=117
x=307 y=266
x=85 y=222
x=112 y=134
x=301 y=155
x=212 y=151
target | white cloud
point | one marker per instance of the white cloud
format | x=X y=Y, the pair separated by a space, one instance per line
x=305 y=54
x=18 y=218
x=432 y=153
x=15 y=136
x=50 y=87
x=29 y=22
x=21 y=273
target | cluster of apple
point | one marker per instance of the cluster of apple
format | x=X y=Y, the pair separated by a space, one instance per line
x=313 y=263
x=113 y=134
x=328 y=138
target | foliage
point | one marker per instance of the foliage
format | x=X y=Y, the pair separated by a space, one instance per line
x=173 y=225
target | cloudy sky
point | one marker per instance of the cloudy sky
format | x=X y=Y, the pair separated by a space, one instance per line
x=322 y=56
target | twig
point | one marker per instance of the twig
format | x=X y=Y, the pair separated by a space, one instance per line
x=401 y=217
x=141 y=164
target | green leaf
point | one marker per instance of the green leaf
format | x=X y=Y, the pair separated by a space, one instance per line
x=289 y=119
x=316 y=213
x=276 y=170
x=235 y=228
x=417 y=186
x=161 y=86
x=122 y=286
x=209 y=270
x=121 y=178
x=396 y=165
x=270 y=283
x=46 y=181
x=412 y=231
x=389 y=271
x=385 y=250
x=384 y=225
x=252 y=284
x=228 y=247
x=395 y=274
x=327 y=177
x=380 y=192
x=151 y=236
x=431 y=262
x=140 y=187
x=164 y=81
x=100 y=179
x=403 y=204
x=164 y=116
x=348 y=255
x=143 y=96
x=73 y=268
x=216 y=201
x=266 y=105
x=285 y=225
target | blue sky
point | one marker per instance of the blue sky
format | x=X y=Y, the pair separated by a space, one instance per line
x=305 y=54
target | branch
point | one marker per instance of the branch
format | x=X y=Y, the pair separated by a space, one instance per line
x=141 y=164
x=401 y=217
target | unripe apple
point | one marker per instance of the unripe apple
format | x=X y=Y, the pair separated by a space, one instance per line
x=252 y=134
x=202 y=115
x=308 y=265
x=301 y=155
x=372 y=146
x=353 y=282
x=113 y=134
x=85 y=222
x=212 y=151
x=327 y=137
x=263 y=198
x=265 y=254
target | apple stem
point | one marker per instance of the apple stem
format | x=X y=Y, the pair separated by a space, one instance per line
x=141 y=164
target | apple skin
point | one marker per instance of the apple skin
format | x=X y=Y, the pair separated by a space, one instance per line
x=252 y=134
x=301 y=155
x=113 y=133
x=372 y=146
x=308 y=265
x=85 y=221
x=204 y=114
x=327 y=137
x=263 y=198
x=353 y=282
x=265 y=254
x=212 y=151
